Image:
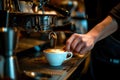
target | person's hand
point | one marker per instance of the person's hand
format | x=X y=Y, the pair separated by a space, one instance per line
x=80 y=43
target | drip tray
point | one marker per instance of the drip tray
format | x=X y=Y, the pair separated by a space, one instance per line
x=40 y=65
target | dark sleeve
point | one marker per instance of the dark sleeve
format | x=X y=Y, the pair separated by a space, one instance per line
x=115 y=12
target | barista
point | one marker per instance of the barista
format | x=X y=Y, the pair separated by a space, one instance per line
x=103 y=39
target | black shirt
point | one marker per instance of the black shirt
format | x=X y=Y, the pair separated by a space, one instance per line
x=115 y=12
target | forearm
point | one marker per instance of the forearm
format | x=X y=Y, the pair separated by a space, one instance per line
x=103 y=29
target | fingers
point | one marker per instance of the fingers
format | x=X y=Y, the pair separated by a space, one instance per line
x=69 y=42
x=74 y=43
x=80 y=47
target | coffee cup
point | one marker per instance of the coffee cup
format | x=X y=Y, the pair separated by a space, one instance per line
x=56 y=57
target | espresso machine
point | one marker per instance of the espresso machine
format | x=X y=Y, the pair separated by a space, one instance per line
x=14 y=20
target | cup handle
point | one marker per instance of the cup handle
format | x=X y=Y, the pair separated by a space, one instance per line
x=69 y=53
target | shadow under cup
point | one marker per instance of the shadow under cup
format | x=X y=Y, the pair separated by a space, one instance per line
x=56 y=57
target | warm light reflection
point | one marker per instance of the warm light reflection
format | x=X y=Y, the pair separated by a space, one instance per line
x=4 y=29
x=32 y=74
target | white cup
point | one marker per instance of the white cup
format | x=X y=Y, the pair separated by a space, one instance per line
x=56 y=57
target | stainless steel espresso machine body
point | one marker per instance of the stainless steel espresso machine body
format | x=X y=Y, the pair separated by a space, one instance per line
x=13 y=21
